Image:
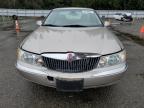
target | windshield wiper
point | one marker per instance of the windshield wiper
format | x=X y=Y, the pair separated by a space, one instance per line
x=74 y=26
x=51 y=25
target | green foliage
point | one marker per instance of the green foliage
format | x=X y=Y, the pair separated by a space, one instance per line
x=96 y=4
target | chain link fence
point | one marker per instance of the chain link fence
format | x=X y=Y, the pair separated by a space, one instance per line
x=39 y=13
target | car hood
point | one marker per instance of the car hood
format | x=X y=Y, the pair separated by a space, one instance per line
x=58 y=39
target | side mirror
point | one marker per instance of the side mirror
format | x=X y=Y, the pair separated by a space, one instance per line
x=107 y=23
x=39 y=23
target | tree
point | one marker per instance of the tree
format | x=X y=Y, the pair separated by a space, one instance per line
x=96 y=4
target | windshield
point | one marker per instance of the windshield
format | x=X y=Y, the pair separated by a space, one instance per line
x=73 y=18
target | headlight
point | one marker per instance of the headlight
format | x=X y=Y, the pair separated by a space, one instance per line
x=29 y=58
x=113 y=59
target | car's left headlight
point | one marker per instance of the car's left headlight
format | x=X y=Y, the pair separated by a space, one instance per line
x=113 y=59
x=30 y=58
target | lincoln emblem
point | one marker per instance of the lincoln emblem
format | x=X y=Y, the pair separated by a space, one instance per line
x=70 y=57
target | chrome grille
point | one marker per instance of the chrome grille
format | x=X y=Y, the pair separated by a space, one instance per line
x=75 y=66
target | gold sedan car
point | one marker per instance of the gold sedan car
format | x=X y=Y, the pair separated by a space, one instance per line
x=72 y=50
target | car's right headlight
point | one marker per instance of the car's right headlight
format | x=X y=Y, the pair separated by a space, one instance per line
x=30 y=58
x=113 y=59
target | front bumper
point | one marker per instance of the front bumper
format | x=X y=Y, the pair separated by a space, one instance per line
x=92 y=79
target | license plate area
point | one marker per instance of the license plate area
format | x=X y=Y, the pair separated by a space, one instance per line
x=69 y=86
